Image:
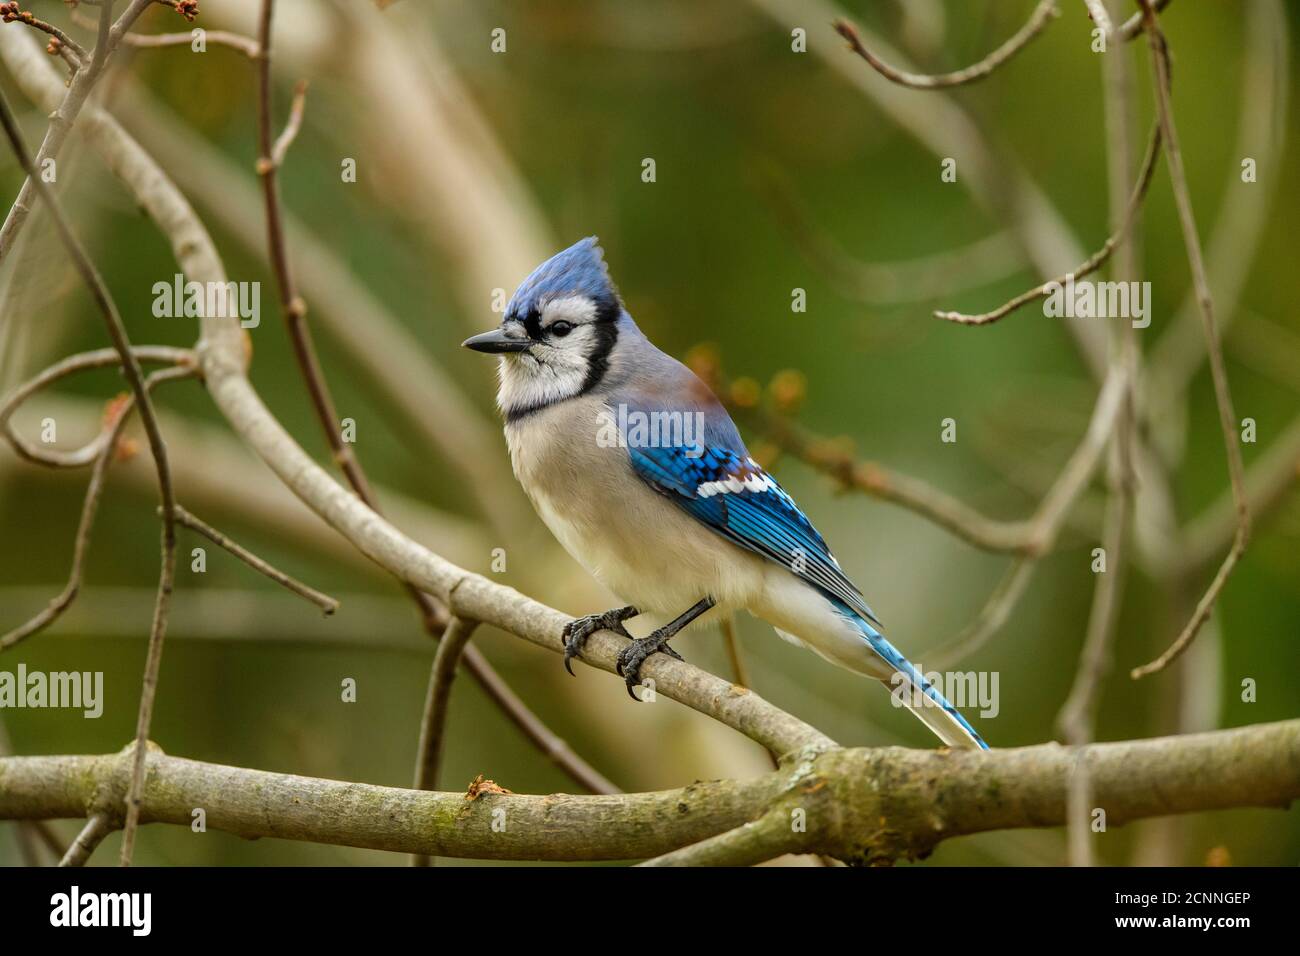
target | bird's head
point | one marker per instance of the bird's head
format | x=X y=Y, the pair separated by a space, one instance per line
x=558 y=331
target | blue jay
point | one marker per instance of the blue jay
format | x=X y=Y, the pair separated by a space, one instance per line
x=640 y=473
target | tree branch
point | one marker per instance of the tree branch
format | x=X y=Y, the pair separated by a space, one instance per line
x=1088 y=266
x=194 y=523
x=90 y=837
x=99 y=358
x=434 y=724
x=1038 y=20
x=861 y=805
x=66 y=113
x=1218 y=370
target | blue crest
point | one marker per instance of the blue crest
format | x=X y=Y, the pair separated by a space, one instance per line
x=578 y=270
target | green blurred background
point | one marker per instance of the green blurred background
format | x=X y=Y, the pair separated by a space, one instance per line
x=474 y=165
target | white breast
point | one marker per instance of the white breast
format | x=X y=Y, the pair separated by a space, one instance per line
x=632 y=539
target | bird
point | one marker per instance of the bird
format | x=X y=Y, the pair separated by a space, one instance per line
x=638 y=470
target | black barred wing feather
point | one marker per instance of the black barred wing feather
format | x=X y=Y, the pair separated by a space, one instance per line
x=739 y=500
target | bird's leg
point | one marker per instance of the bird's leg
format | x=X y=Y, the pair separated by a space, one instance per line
x=633 y=656
x=577 y=631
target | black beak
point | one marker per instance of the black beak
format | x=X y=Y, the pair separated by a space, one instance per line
x=496 y=341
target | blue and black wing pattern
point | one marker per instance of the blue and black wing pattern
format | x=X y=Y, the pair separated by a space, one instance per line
x=735 y=497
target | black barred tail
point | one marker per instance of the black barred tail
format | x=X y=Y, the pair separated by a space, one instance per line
x=920 y=696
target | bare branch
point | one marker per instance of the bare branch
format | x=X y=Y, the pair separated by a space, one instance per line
x=995 y=613
x=237 y=41
x=1133 y=25
x=66 y=114
x=90 y=837
x=876 y=480
x=1088 y=266
x=107 y=450
x=758 y=841
x=99 y=358
x=290 y=132
x=927 y=796
x=322 y=601
x=1218 y=371
x=1098 y=15
x=1046 y=523
x=434 y=724
x=1042 y=15
x=10 y=13
x=1269 y=478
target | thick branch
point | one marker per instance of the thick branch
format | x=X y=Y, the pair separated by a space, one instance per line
x=872 y=806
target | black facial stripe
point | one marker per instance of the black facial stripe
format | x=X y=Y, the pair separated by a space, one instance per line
x=604 y=333
x=533 y=325
x=604 y=337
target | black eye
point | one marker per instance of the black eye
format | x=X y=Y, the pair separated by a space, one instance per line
x=560 y=329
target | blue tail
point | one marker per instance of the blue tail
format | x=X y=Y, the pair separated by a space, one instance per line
x=940 y=716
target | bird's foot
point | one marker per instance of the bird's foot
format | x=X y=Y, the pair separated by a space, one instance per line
x=577 y=631
x=634 y=655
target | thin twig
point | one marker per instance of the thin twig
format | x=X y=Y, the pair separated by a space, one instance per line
x=758 y=841
x=1088 y=266
x=1046 y=523
x=739 y=672
x=433 y=727
x=1098 y=15
x=1269 y=478
x=1218 y=371
x=1133 y=25
x=1042 y=15
x=997 y=609
x=295 y=310
x=109 y=34
x=89 y=509
x=1244 y=213
x=245 y=45
x=291 y=128
x=322 y=601
x=11 y=13
x=45 y=834
x=90 y=837
x=99 y=358
x=880 y=482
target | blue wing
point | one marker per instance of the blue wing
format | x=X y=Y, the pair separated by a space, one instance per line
x=731 y=494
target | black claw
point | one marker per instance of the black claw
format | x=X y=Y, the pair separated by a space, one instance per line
x=577 y=631
x=635 y=654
